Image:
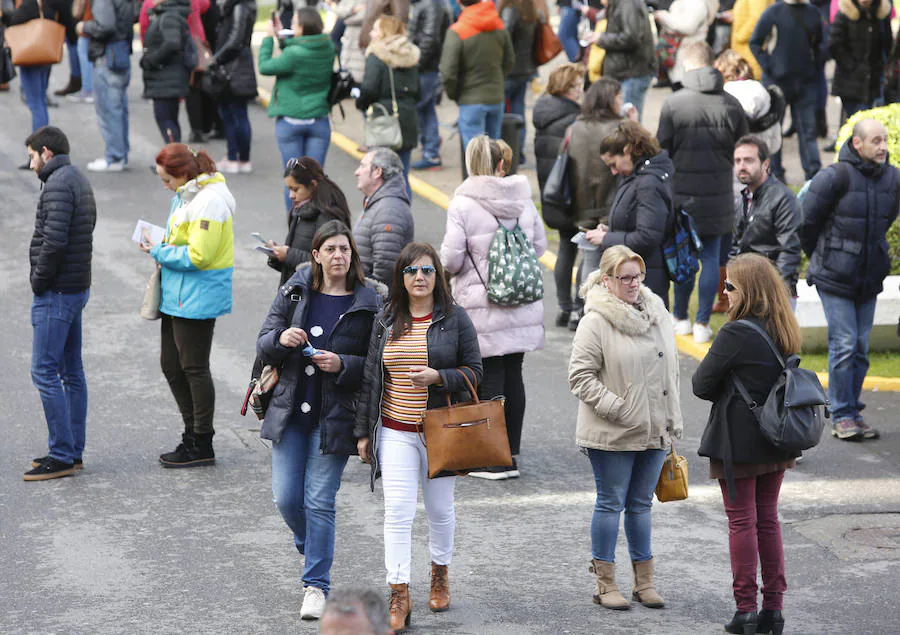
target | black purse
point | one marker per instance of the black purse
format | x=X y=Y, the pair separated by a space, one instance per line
x=215 y=81
x=557 y=189
x=342 y=83
x=7 y=68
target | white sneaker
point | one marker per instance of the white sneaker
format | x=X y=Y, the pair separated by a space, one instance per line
x=228 y=167
x=682 y=327
x=702 y=333
x=313 y=604
x=245 y=167
x=102 y=165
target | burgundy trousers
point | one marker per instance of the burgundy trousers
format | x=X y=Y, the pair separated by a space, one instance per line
x=754 y=534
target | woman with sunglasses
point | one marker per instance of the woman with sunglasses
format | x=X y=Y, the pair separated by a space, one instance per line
x=318 y=331
x=749 y=469
x=422 y=344
x=317 y=200
x=624 y=371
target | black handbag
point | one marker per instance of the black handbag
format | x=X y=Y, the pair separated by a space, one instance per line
x=215 y=81
x=342 y=83
x=7 y=68
x=557 y=189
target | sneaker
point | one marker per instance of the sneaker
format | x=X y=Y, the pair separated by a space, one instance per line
x=245 y=167
x=228 y=167
x=513 y=472
x=313 y=604
x=574 y=319
x=847 y=430
x=682 y=327
x=79 y=464
x=426 y=164
x=496 y=473
x=102 y=165
x=868 y=431
x=702 y=333
x=189 y=453
x=49 y=469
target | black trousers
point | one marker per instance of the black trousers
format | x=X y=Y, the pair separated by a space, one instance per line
x=165 y=111
x=562 y=272
x=503 y=376
x=184 y=358
x=201 y=109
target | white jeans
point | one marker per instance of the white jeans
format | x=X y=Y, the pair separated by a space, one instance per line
x=404 y=464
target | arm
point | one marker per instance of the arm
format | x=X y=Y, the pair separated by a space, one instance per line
x=60 y=206
x=172 y=45
x=281 y=66
x=204 y=238
x=786 y=222
x=758 y=40
x=268 y=348
x=715 y=368
x=428 y=39
x=585 y=365
x=449 y=65
x=510 y=17
x=818 y=206
x=386 y=242
x=540 y=235
x=628 y=38
x=665 y=134
x=683 y=17
x=367 y=390
x=649 y=222
x=195 y=25
x=839 y=44
x=467 y=354
x=233 y=42
x=453 y=247
x=352 y=366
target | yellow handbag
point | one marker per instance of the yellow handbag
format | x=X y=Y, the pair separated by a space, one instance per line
x=596 y=55
x=673 y=479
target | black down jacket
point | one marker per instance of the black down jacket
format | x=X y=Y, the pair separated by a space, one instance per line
x=641 y=217
x=349 y=340
x=113 y=21
x=522 y=33
x=845 y=221
x=452 y=343
x=384 y=229
x=699 y=126
x=233 y=47
x=859 y=41
x=427 y=30
x=166 y=73
x=62 y=243
x=552 y=116
x=628 y=40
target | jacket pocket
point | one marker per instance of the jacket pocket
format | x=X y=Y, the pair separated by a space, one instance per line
x=842 y=257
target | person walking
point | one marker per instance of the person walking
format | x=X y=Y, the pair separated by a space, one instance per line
x=520 y=19
x=310 y=422
x=483 y=203
x=60 y=255
x=423 y=345
x=427 y=30
x=196 y=260
x=624 y=372
x=749 y=469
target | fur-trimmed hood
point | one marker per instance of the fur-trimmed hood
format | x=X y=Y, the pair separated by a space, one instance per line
x=395 y=51
x=626 y=318
x=850 y=8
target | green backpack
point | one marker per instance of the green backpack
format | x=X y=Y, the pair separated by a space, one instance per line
x=514 y=271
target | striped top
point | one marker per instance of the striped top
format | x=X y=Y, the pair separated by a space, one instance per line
x=402 y=401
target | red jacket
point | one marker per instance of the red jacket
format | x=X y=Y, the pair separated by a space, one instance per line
x=198 y=8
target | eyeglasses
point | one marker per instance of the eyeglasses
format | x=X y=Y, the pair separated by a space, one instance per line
x=413 y=270
x=629 y=280
x=730 y=287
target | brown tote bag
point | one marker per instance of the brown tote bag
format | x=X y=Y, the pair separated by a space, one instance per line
x=36 y=42
x=466 y=436
x=546 y=44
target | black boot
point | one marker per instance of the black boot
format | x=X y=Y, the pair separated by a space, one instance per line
x=193 y=451
x=73 y=87
x=742 y=623
x=770 y=622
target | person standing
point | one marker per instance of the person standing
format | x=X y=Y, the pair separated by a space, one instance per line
x=60 y=255
x=690 y=20
x=427 y=30
x=846 y=215
x=745 y=14
x=520 y=19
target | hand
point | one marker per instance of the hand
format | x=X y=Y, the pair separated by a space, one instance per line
x=79 y=28
x=423 y=376
x=146 y=244
x=632 y=113
x=279 y=252
x=363 y=447
x=272 y=28
x=327 y=361
x=293 y=337
x=596 y=235
x=591 y=38
x=658 y=14
x=726 y=17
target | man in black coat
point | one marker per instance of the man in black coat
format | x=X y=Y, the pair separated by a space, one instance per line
x=60 y=279
x=427 y=29
x=846 y=215
x=699 y=126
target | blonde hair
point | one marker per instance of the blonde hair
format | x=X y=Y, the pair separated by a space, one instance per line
x=617 y=255
x=390 y=25
x=761 y=292
x=485 y=155
x=732 y=66
x=563 y=77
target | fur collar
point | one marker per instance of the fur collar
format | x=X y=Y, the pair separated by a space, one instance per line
x=395 y=51
x=880 y=8
x=625 y=318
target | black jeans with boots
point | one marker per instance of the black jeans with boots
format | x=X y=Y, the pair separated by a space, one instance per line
x=503 y=376
x=184 y=357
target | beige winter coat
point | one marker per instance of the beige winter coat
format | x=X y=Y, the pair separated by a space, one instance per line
x=624 y=371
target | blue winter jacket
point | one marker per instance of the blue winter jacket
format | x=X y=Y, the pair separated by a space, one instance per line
x=788 y=44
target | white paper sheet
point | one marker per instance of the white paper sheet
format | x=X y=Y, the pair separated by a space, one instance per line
x=157 y=233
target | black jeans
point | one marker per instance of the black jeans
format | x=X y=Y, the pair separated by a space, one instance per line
x=503 y=376
x=184 y=358
x=562 y=272
x=201 y=110
x=165 y=111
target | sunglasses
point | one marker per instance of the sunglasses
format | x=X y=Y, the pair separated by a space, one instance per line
x=730 y=287
x=295 y=161
x=413 y=270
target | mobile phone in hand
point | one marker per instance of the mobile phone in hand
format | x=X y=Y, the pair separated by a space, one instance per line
x=259 y=237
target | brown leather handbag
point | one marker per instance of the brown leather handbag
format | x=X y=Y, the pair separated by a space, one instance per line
x=673 y=479
x=466 y=436
x=546 y=44
x=37 y=42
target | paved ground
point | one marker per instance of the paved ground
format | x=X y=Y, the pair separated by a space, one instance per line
x=127 y=547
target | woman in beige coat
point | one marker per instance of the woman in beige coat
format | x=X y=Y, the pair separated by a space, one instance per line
x=624 y=371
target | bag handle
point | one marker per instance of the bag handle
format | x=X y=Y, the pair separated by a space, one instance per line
x=472 y=390
x=393 y=94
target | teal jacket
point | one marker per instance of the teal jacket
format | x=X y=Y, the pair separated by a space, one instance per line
x=303 y=75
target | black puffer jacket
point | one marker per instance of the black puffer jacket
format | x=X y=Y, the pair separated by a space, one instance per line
x=641 y=217
x=552 y=116
x=628 y=40
x=859 y=41
x=303 y=223
x=845 y=221
x=166 y=72
x=452 y=343
x=349 y=340
x=233 y=47
x=427 y=30
x=62 y=243
x=113 y=21
x=771 y=229
x=384 y=229
x=522 y=33
x=56 y=10
x=699 y=126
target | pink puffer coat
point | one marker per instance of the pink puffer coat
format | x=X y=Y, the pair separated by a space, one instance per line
x=477 y=208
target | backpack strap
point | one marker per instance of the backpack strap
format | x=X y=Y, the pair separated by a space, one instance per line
x=766 y=337
x=751 y=402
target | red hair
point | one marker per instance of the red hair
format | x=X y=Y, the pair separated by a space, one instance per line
x=181 y=161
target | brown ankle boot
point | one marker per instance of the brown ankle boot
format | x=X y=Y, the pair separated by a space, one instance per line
x=607 y=593
x=401 y=607
x=644 y=591
x=439 y=599
x=721 y=305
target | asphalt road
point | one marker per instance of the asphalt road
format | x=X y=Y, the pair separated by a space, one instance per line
x=127 y=547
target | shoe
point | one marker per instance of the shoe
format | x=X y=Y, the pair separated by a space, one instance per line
x=193 y=451
x=702 y=333
x=821 y=124
x=4 y=88
x=439 y=596
x=831 y=147
x=49 y=469
x=245 y=167
x=644 y=589
x=513 y=472
x=215 y=134
x=426 y=164
x=79 y=464
x=770 y=622
x=226 y=166
x=787 y=134
x=868 y=431
x=682 y=327
x=847 y=430
x=313 y=604
x=401 y=607
x=72 y=87
x=496 y=473
x=606 y=594
x=562 y=318
x=742 y=623
x=195 y=137
x=52 y=103
x=574 y=319
x=102 y=165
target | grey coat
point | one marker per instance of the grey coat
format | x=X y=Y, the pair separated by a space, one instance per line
x=384 y=229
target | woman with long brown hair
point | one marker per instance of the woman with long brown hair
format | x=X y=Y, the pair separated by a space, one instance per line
x=749 y=468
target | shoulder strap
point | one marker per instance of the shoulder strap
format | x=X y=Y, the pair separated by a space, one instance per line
x=396 y=112
x=766 y=337
x=475 y=267
x=843 y=175
x=295 y=300
x=811 y=38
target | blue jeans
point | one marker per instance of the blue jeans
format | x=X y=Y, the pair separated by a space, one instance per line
x=304 y=486
x=87 y=69
x=111 y=104
x=302 y=140
x=568 y=32
x=849 y=326
x=429 y=134
x=478 y=119
x=57 y=371
x=238 y=133
x=34 y=85
x=625 y=481
x=514 y=90
x=634 y=90
x=802 y=101
x=74 y=60
x=709 y=282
